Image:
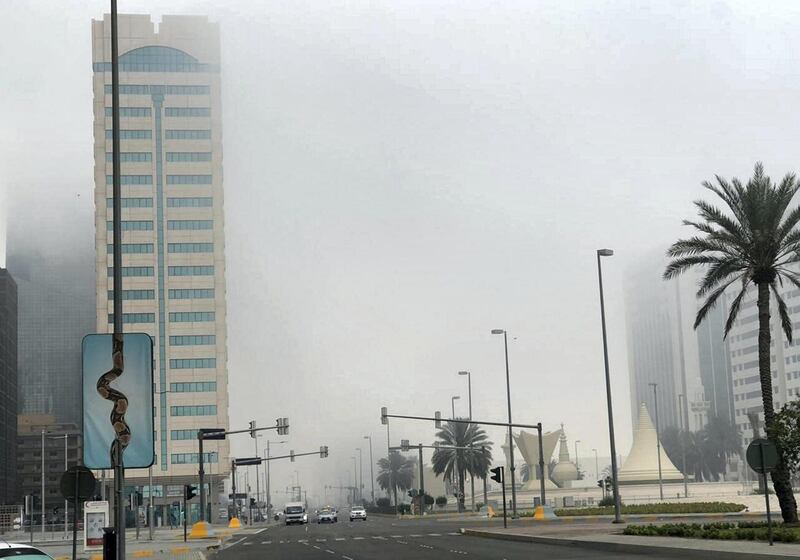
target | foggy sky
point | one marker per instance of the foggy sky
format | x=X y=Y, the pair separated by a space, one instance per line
x=402 y=177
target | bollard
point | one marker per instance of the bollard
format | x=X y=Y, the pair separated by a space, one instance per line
x=109 y=543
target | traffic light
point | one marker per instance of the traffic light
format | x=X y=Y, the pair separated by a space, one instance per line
x=498 y=474
x=252 y=502
x=253 y=429
x=291 y=455
x=283 y=426
x=189 y=491
x=384 y=415
x=413 y=493
x=404 y=445
x=601 y=484
x=323 y=451
x=438 y=419
x=609 y=484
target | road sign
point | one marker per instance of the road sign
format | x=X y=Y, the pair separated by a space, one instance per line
x=762 y=455
x=77 y=483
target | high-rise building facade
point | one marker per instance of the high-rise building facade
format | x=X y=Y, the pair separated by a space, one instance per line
x=663 y=348
x=172 y=226
x=8 y=388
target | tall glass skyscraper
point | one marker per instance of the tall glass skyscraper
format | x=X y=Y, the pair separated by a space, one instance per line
x=172 y=222
x=8 y=388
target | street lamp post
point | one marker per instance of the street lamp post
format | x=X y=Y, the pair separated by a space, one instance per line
x=681 y=397
x=658 y=441
x=510 y=434
x=258 y=489
x=43 y=511
x=617 y=518
x=355 y=479
x=360 y=474
x=596 y=465
x=371 y=465
x=469 y=397
x=66 y=466
x=577 y=463
x=458 y=478
x=453 y=406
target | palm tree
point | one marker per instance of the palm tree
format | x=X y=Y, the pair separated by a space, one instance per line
x=456 y=463
x=756 y=241
x=723 y=440
x=395 y=472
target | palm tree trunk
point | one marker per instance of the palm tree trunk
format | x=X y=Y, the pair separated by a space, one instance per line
x=780 y=476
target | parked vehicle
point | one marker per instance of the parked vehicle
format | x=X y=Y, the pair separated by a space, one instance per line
x=21 y=552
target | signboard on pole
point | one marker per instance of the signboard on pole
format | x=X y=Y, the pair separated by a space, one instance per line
x=136 y=382
x=95 y=517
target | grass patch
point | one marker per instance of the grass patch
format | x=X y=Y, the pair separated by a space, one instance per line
x=745 y=531
x=645 y=509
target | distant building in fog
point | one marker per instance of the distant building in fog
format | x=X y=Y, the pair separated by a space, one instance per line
x=664 y=348
x=8 y=388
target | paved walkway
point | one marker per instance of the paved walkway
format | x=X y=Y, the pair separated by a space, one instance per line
x=609 y=537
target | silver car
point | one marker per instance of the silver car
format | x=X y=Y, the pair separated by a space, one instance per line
x=358 y=512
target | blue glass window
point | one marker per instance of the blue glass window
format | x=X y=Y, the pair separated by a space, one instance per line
x=188 y=156
x=193 y=387
x=156 y=59
x=131 y=134
x=194 y=410
x=131 y=179
x=191 y=270
x=190 y=247
x=131 y=112
x=128 y=271
x=132 y=248
x=134 y=318
x=193 y=363
x=188 y=179
x=193 y=340
x=192 y=317
x=131 y=157
x=192 y=293
x=133 y=294
x=190 y=224
x=187 y=112
x=188 y=134
x=193 y=458
x=132 y=225
x=131 y=203
x=191 y=202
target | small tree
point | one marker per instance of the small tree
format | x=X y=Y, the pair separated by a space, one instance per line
x=787 y=432
x=429 y=501
x=441 y=501
x=383 y=502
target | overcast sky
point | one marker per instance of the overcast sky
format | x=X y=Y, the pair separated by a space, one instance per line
x=402 y=177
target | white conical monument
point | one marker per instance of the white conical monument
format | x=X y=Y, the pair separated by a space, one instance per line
x=641 y=465
x=527 y=445
x=565 y=470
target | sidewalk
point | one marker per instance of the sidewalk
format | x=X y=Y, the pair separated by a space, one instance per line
x=609 y=538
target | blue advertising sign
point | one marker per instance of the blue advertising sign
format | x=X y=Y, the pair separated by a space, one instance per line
x=136 y=383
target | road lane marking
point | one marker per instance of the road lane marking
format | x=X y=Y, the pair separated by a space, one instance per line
x=358 y=538
x=329 y=551
x=261 y=530
x=415 y=536
x=247 y=544
x=339 y=539
x=321 y=540
x=434 y=534
x=396 y=536
x=348 y=558
x=266 y=542
x=455 y=534
x=318 y=548
x=401 y=542
x=230 y=545
x=378 y=538
x=426 y=546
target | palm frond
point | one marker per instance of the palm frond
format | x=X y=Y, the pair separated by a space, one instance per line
x=711 y=301
x=735 y=305
x=786 y=322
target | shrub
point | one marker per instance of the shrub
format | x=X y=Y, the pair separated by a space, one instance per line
x=383 y=502
x=744 y=530
x=441 y=501
x=404 y=509
x=607 y=501
x=634 y=509
x=429 y=501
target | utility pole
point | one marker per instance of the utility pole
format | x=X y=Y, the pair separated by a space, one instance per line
x=510 y=433
x=43 y=494
x=371 y=465
x=683 y=447
x=658 y=441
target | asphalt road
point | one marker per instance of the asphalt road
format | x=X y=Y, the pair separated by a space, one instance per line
x=387 y=539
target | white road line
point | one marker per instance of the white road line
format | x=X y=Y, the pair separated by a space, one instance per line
x=434 y=534
x=358 y=538
x=237 y=542
x=415 y=536
x=455 y=534
x=266 y=542
x=339 y=539
x=321 y=540
x=329 y=551
x=401 y=542
x=318 y=548
x=348 y=558
x=304 y=541
x=262 y=530
x=247 y=544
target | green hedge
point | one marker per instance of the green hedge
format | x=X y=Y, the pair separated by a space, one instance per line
x=723 y=531
x=644 y=509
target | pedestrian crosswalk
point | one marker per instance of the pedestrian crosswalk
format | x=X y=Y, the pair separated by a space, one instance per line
x=394 y=538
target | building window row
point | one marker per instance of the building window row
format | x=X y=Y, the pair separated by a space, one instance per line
x=131 y=179
x=196 y=270
x=192 y=317
x=187 y=134
x=187 y=111
x=190 y=224
x=183 y=434
x=131 y=157
x=192 y=293
x=194 y=458
x=134 y=318
x=193 y=387
x=190 y=247
x=131 y=134
x=132 y=225
x=132 y=248
x=193 y=340
x=132 y=271
x=193 y=363
x=138 y=89
x=194 y=410
x=133 y=294
x=188 y=179
x=131 y=203
x=131 y=112
x=188 y=156
x=190 y=202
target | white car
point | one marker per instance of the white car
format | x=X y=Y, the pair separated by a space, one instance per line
x=358 y=512
x=21 y=552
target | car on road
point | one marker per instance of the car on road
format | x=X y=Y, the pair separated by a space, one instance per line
x=358 y=512
x=21 y=552
x=327 y=515
x=295 y=512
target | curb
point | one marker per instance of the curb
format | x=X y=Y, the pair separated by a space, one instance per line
x=621 y=547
